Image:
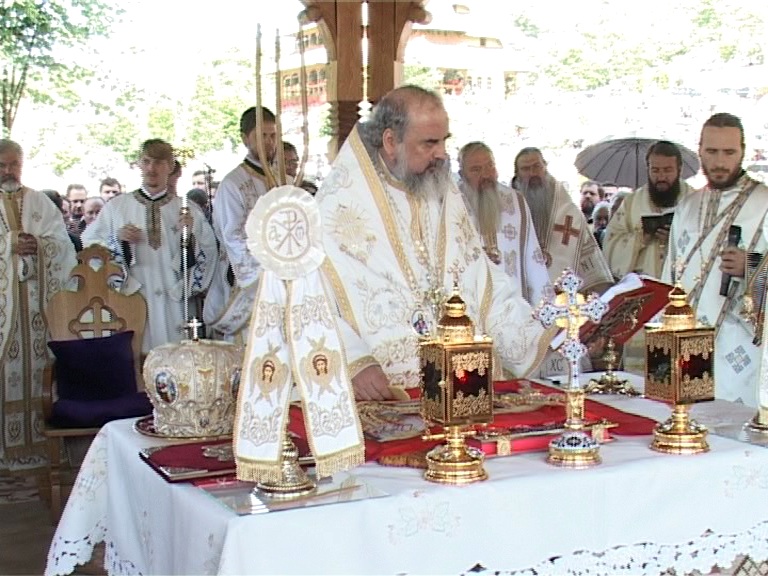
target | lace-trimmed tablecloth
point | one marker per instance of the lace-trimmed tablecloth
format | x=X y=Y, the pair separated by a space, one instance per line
x=640 y=512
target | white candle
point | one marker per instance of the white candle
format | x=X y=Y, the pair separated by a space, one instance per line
x=183 y=200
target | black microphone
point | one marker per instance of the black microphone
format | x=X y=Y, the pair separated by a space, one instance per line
x=734 y=237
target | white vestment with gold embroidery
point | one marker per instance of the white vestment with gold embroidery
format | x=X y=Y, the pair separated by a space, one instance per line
x=570 y=244
x=26 y=285
x=155 y=272
x=518 y=246
x=230 y=298
x=624 y=245
x=737 y=359
x=370 y=225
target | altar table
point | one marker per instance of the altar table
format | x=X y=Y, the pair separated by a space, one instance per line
x=639 y=512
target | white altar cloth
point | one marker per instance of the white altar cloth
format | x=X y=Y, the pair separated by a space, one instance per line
x=639 y=512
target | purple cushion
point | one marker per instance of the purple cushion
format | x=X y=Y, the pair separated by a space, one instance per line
x=94 y=413
x=95 y=368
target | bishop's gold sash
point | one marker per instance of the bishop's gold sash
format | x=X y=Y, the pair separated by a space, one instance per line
x=293 y=337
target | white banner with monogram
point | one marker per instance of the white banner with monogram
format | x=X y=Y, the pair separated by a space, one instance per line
x=293 y=338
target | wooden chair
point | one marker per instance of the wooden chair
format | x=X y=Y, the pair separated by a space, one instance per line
x=95 y=310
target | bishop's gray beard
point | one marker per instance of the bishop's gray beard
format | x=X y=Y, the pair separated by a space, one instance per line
x=9 y=184
x=486 y=206
x=433 y=183
x=540 y=196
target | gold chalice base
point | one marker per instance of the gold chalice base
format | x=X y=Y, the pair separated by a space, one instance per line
x=289 y=486
x=455 y=465
x=574 y=449
x=691 y=441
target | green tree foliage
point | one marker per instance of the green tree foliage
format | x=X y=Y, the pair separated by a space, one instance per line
x=34 y=38
x=223 y=91
x=423 y=76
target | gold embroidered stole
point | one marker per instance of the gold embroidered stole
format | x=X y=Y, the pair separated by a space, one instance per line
x=153 y=218
x=10 y=219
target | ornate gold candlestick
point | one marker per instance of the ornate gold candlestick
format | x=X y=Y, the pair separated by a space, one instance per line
x=456 y=392
x=293 y=480
x=574 y=448
x=679 y=370
x=609 y=383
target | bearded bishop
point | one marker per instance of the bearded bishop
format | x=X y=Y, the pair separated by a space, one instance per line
x=398 y=235
x=561 y=228
x=503 y=220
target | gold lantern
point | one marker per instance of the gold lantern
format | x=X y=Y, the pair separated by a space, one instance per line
x=456 y=392
x=679 y=369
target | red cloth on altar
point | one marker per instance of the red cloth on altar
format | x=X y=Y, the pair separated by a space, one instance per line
x=190 y=455
x=628 y=424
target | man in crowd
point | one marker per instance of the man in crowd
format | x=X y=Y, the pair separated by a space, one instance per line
x=709 y=264
x=201 y=179
x=60 y=204
x=143 y=231
x=233 y=289
x=76 y=194
x=91 y=209
x=561 y=228
x=109 y=188
x=502 y=217
x=591 y=193
x=36 y=257
x=397 y=236
x=631 y=247
x=291 y=156
x=609 y=191
x=601 y=215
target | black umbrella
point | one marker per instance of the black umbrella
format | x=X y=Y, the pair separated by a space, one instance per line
x=622 y=161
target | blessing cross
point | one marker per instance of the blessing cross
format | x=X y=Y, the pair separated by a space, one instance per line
x=567 y=230
x=194 y=325
x=570 y=310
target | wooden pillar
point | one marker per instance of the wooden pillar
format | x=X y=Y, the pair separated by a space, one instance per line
x=389 y=25
x=343 y=36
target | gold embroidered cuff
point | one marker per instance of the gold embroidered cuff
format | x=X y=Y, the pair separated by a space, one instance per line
x=357 y=366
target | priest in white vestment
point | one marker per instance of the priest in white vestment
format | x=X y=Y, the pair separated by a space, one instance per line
x=36 y=257
x=627 y=245
x=564 y=234
x=143 y=230
x=699 y=253
x=501 y=216
x=397 y=234
x=229 y=302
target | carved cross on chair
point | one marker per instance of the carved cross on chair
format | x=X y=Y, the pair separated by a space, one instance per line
x=103 y=322
x=567 y=230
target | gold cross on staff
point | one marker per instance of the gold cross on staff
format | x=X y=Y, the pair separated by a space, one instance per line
x=567 y=230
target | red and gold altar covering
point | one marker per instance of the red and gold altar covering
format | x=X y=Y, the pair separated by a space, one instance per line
x=191 y=455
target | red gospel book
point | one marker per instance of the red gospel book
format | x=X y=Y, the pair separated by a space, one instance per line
x=633 y=302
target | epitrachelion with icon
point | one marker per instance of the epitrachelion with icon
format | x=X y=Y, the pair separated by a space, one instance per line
x=293 y=338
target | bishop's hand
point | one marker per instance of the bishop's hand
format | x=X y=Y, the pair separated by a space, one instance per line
x=372 y=384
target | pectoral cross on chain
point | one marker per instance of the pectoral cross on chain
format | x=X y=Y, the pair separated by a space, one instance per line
x=570 y=310
x=567 y=230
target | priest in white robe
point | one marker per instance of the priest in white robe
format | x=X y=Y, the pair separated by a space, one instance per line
x=36 y=257
x=229 y=302
x=397 y=234
x=143 y=230
x=501 y=216
x=563 y=232
x=629 y=246
x=699 y=254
